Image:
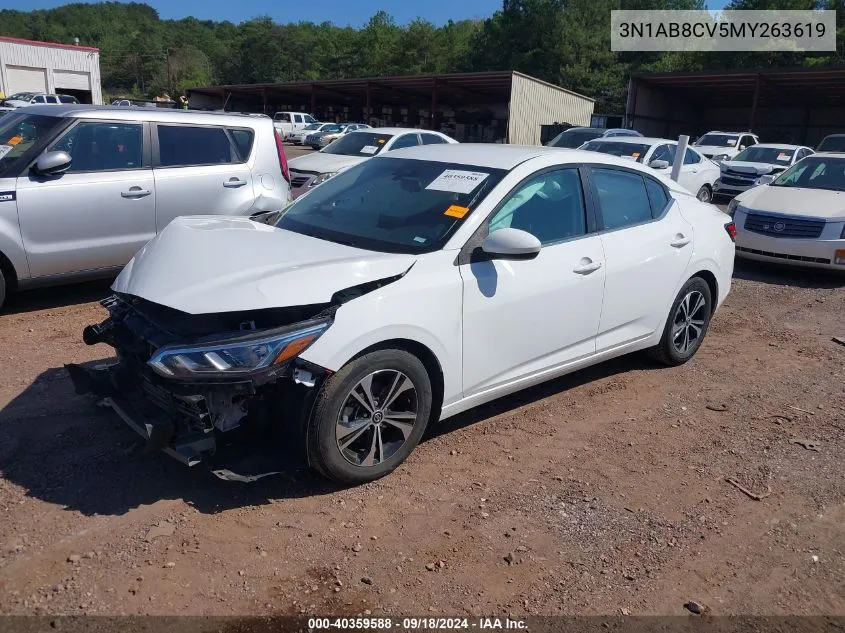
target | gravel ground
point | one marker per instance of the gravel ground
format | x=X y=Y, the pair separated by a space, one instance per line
x=603 y=492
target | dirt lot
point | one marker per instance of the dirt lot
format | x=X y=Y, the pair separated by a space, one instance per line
x=601 y=493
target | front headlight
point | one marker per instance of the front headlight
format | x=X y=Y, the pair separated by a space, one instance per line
x=720 y=157
x=322 y=178
x=237 y=356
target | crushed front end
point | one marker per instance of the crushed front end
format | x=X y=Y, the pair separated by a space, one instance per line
x=181 y=380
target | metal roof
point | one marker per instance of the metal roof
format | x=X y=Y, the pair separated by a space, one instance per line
x=774 y=86
x=73 y=47
x=453 y=88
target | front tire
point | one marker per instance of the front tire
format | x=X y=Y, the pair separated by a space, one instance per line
x=369 y=416
x=705 y=194
x=2 y=289
x=687 y=324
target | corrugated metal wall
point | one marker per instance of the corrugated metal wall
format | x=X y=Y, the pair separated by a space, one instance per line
x=535 y=103
x=50 y=59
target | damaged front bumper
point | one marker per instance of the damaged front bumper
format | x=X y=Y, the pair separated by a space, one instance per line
x=187 y=418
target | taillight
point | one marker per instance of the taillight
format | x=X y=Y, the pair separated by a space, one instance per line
x=283 y=161
x=730 y=227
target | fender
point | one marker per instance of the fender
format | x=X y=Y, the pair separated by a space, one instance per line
x=11 y=243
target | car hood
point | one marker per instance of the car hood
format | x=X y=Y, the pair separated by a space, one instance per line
x=746 y=167
x=811 y=203
x=15 y=103
x=209 y=264
x=714 y=150
x=322 y=163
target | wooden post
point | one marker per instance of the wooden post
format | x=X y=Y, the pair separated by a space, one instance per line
x=313 y=99
x=433 y=114
x=754 y=104
x=367 y=107
x=264 y=100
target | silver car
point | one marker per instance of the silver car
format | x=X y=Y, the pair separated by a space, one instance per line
x=82 y=188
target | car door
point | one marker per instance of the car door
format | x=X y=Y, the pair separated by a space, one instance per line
x=100 y=211
x=299 y=122
x=199 y=171
x=647 y=245
x=522 y=317
x=693 y=174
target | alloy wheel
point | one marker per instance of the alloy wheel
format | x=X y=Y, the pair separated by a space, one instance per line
x=688 y=324
x=376 y=418
x=704 y=194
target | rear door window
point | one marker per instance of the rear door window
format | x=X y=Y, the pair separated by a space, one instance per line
x=406 y=140
x=243 y=141
x=297 y=118
x=622 y=197
x=432 y=139
x=186 y=145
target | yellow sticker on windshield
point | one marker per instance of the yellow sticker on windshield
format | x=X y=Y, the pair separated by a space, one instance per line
x=456 y=211
x=636 y=154
x=14 y=140
x=381 y=141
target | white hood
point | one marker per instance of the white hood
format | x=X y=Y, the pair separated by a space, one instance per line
x=714 y=150
x=746 y=167
x=811 y=203
x=322 y=163
x=208 y=264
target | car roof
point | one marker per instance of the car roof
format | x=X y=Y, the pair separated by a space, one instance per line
x=500 y=156
x=134 y=113
x=634 y=140
x=724 y=132
x=779 y=146
x=398 y=130
x=834 y=135
x=840 y=155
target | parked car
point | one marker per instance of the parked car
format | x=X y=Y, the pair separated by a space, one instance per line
x=799 y=219
x=320 y=139
x=698 y=174
x=720 y=146
x=298 y=137
x=356 y=147
x=21 y=99
x=289 y=122
x=756 y=165
x=832 y=143
x=82 y=188
x=576 y=136
x=403 y=291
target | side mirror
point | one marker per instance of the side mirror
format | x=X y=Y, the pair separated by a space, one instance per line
x=52 y=163
x=659 y=164
x=511 y=244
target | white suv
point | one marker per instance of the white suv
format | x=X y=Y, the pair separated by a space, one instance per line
x=724 y=145
x=82 y=188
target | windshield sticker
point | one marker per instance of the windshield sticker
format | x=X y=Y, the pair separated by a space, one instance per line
x=420 y=240
x=369 y=149
x=456 y=211
x=381 y=141
x=5 y=149
x=731 y=142
x=457 y=181
x=635 y=155
x=7 y=196
x=783 y=157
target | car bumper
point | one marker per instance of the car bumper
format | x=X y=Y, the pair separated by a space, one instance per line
x=820 y=253
x=721 y=189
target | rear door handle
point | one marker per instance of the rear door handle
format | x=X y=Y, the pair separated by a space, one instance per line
x=680 y=240
x=234 y=183
x=135 y=192
x=586 y=267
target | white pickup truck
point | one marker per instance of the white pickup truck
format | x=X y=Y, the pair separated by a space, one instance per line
x=290 y=122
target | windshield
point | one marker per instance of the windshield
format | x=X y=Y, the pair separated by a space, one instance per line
x=21 y=136
x=312 y=126
x=832 y=144
x=771 y=155
x=815 y=173
x=358 y=144
x=637 y=151
x=575 y=137
x=331 y=129
x=718 y=140
x=392 y=205
x=22 y=96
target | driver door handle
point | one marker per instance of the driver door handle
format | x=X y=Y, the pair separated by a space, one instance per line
x=680 y=240
x=135 y=192
x=586 y=267
x=234 y=183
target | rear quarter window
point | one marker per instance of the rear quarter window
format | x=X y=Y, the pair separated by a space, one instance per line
x=243 y=141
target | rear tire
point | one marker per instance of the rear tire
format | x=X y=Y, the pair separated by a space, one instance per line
x=704 y=194
x=2 y=289
x=686 y=325
x=369 y=416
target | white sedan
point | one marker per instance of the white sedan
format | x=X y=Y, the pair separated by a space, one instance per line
x=404 y=291
x=698 y=173
x=352 y=149
x=757 y=165
x=799 y=219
